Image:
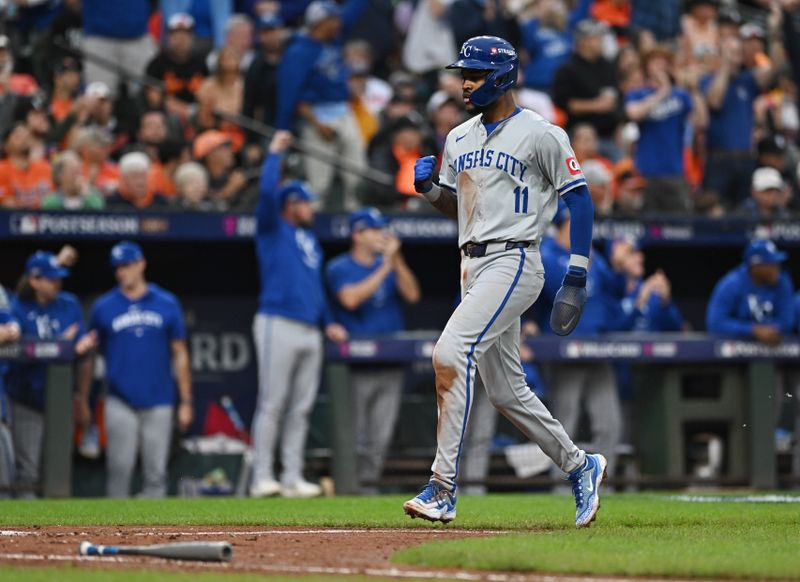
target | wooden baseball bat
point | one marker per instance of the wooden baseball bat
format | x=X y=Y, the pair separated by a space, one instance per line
x=205 y=551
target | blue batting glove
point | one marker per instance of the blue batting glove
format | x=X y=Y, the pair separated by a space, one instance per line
x=423 y=174
x=569 y=302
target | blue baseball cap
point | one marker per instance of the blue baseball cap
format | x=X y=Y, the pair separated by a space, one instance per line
x=367 y=218
x=269 y=20
x=125 y=252
x=295 y=191
x=46 y=265
x=562 y=213
x=320 y=10
x=763 y=252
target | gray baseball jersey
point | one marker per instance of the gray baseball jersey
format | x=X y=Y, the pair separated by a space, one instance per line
x=508 y=181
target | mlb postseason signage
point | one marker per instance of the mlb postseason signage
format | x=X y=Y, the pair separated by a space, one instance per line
x=413 y=228
x=666 y=347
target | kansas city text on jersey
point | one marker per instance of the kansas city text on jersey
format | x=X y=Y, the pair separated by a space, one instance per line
x=487 y=158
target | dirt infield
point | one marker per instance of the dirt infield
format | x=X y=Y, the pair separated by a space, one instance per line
x=332 y=551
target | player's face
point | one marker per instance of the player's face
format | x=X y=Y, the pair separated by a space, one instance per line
x=130 y=274
x=302 y=213
x=46 y=289
x=767 y=274
x=374 y=239
x=471 y=80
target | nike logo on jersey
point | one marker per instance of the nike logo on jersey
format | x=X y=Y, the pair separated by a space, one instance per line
x=460 y=137
x=484 y=158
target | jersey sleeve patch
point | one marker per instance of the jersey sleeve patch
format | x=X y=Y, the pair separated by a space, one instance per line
x=572 y=166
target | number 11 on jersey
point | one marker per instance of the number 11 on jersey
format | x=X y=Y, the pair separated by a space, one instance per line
x=521 y=200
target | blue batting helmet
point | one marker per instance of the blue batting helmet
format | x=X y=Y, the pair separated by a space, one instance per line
x=493 y=54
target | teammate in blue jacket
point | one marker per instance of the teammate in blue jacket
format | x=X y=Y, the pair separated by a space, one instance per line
x=9 y=332
x=44 y=312
x=142 y=337
x=647 y=305
x=292 y=307
x=755 y=300
x=370 y=284
x=591 y=382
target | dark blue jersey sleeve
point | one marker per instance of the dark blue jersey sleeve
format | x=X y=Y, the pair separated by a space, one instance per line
x=268 y=207
x=295 y=67
x=721 y=308
x=581 y=212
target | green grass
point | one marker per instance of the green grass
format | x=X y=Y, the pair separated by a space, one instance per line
x=84 y=575
x=643 y=535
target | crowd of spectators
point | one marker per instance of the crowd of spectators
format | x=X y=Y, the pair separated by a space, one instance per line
x=676 y=106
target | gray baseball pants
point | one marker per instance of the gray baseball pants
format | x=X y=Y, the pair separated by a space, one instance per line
x=27 y=433
x=483 y=333
x=376 y=398
x=289 y=367
x=129 y=432
x=478 y=441
x=7 y=469
x=595 y=385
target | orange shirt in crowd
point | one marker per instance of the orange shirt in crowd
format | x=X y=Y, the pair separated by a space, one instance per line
x=59 y=108
x=159 y=181
x=144 y=202
x=612 y=13
x=404 y=179
x=24 y=187
x=106 y=179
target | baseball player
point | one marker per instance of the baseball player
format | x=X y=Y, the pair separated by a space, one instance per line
x=756 y=299
x=44 y=312
x=9 y=332
x=142 y=337
x=370 y=284
x=292 y=308
x=502 y=172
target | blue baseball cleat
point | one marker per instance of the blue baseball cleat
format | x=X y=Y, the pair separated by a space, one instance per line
x=435 y=503
x=585 y=486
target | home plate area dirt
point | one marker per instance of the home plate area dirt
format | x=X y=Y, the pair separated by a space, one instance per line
x=294 y=551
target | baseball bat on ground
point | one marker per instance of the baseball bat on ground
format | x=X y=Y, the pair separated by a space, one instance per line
x=206 y=551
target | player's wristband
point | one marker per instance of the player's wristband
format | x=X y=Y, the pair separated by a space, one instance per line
x=433 y=194
x=575 y=277
x=579 y=261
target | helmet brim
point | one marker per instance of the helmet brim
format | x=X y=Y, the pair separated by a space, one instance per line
x=469 y=64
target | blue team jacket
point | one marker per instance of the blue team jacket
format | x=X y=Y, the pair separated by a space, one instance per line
x=25 y=382
x=656 y=315
x=737 y=303
x=289 y=258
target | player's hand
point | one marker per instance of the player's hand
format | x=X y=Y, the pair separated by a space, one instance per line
x=67 y=256
x=767 y=334
x=423 y=174
x=569 y=301
x=87 y=343
x=185 y=416
x=336 y=333
x=281 y=140
x=662 y=287
x=9 y=332
x=392 y=248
